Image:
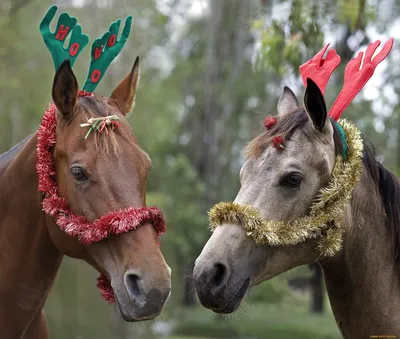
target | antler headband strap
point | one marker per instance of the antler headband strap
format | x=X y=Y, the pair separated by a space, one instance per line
x=104 y=49
x=355 y=77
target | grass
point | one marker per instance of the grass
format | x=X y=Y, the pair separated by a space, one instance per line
x=272 y=312
x=289 y=319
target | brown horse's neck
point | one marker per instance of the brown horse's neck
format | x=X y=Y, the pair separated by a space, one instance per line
x=362 y=280
x=28 y=258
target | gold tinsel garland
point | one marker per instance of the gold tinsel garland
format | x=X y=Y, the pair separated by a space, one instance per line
x=328 y=207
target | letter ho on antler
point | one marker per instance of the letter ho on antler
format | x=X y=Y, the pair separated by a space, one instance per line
x=104 y=51
x=55 y=41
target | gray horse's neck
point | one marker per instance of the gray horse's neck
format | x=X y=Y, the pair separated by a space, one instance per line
x=28 y=258
x=362 y=280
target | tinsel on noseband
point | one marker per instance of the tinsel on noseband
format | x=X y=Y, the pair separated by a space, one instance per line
x=325 y=221
x=87 y=232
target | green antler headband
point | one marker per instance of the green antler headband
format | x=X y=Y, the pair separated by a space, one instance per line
x=104 y=49
x=55 y=41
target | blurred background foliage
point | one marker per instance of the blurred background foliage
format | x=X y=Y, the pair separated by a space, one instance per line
x=210 y=72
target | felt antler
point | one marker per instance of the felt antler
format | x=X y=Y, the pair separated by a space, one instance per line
x=55 y=41
x=355 y=77
x=104 y=50
x=320 y=70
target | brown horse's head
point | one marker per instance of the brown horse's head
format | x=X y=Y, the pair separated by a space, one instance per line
x=104 y=173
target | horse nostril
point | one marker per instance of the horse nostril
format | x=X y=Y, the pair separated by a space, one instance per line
x=132 y=285
x=220 y=271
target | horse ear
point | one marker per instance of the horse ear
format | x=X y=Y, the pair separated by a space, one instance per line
x=65 y=89
x=125 y=92
x=314 y=104
x=287 y=102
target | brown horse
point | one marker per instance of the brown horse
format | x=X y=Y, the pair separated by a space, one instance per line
x=363 y=277
x=95 y=176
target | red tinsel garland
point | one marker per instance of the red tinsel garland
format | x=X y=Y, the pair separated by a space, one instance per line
x=87 y=232
x=103 y=284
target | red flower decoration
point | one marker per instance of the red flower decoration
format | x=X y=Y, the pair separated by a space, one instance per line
x=83 y=93
x=278 y=142
x=269 y=122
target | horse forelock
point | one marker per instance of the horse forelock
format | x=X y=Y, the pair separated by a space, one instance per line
x=286 y=125
x=94 y=107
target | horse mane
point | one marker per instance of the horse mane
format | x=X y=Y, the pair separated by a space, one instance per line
x=98 y=107
x=385 y=181
x=389 y=189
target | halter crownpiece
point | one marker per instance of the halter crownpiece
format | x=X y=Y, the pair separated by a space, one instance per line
x=104 y=50
x=326 y=217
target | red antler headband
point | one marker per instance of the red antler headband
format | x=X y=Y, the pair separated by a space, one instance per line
x=319 y=69
x=355 y=78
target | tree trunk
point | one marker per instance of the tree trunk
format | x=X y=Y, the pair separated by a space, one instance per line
x=69 y=298
x=189 y=290
x=317 y=290
x=226 y=32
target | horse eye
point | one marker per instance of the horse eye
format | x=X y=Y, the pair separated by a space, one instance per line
x=293 y=179
x=78 y=173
